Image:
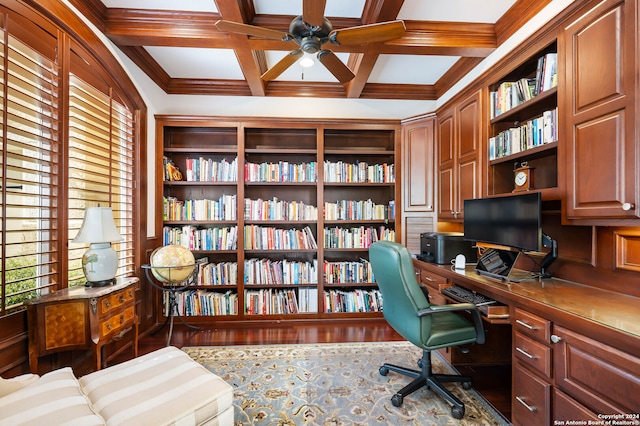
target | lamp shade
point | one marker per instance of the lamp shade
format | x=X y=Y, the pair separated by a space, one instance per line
x=98 y=227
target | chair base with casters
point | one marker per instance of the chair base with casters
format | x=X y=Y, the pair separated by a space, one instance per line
x=426 y=377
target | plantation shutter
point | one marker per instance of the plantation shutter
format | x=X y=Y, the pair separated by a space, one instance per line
x=100 y=161
x=29 y=164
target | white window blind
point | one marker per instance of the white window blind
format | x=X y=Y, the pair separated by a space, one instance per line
x=30 y=158
x=100 y=168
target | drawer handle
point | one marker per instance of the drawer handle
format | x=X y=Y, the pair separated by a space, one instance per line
x=108 y=326
x=121 y=298
x=429 y=279
x=525 y=353
x=527 y=406
x=525 y=325
x=121 y=319
x=107 y=304
x=555 y=339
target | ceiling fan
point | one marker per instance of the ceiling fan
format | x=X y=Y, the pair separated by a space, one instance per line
x=311 y=31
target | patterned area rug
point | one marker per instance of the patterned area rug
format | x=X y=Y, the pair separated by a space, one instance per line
x=333 y=384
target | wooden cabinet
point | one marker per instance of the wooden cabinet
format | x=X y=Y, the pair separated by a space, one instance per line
x=560 y=375
x=459 y=156
x=590 y=373
x=418 y=177
x=601 y=154
x=298 y=213
x=79 y=318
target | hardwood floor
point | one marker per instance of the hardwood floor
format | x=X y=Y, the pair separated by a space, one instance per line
x=493 y=382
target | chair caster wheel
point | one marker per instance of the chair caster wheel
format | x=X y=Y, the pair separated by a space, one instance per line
x=457 y=412
x=383 y=371
x=397 y=400
x=466 y=385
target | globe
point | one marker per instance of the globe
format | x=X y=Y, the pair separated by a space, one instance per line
x=172 y=263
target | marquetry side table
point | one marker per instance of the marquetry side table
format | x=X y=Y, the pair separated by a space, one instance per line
x=81 y=317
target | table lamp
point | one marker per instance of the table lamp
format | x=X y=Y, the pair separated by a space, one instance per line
x=100 y=262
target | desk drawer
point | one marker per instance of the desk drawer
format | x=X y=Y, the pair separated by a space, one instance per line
x=117 y=322
x=431 y=279
x=116 y=300
x=531 y=399
x=534 y=354
x=532 y=325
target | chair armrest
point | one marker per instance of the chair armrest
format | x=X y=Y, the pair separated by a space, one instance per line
x=453 y=307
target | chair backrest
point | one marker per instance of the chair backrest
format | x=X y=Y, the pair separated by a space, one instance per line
x=401 y=293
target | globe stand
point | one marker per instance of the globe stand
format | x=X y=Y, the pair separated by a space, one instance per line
x=172 y=288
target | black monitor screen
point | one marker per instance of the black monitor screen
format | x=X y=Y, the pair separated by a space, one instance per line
x=513 y=220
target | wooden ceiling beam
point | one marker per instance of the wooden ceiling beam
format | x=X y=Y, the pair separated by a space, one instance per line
x=252 y=63
x=362 y=64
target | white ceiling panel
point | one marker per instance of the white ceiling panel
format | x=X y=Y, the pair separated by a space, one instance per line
x=191 y=62
x=191 y=5
x=408 y=69
x=487 y=11
x=342 y=8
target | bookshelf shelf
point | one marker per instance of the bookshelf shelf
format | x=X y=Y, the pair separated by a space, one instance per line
x=279 y=173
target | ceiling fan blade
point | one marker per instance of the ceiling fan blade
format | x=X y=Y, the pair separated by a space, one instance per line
x=335 y=66
x=284 y=63
x=313 y=12
x=371 y=33
x=252 y=30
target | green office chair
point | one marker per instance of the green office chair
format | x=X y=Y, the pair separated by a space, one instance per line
x=407 y=310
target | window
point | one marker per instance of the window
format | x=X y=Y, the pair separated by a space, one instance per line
x=53 y=164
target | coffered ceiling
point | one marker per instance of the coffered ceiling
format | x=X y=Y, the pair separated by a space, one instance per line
x=178 y=45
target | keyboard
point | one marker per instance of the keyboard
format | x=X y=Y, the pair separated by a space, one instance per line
x=464 y=295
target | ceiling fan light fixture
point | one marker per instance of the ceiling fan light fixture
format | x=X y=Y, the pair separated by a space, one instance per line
x=306 y=62
x=310 y=44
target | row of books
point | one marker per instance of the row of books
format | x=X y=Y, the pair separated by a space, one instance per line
x=199 y=302
x=269 y=301
x=348 y=272
x=359 y=210
x=535 y=132
x=510 y=94
x=208 y=170
x=221 y=273
x=282 y=301
x=282 y=171
x=357 y=300
x=194 y=238
x=359 y=172
x=271 y=238
x=276 y=209
x=280 y=272
x=356 y=237
x=224 y=208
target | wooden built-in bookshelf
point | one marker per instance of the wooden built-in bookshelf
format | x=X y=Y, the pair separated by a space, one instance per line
x=294 y=219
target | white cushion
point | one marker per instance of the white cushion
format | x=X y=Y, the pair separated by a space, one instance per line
x=13 y=384
x=165 y=387
x=54 y=399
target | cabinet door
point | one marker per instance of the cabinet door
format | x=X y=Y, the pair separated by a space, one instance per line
x=600 y=377
x=468 y=150
x=446 y=164
x=601 y=149
x=418 y=159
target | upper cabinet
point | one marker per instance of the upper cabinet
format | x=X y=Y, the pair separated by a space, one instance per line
x=459 y=155
x=600 y=154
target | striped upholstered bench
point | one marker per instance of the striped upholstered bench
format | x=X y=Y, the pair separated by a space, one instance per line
x=165 y=387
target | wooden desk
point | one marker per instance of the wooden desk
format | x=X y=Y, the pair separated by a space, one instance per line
x=575 y=349
x=80 y=318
